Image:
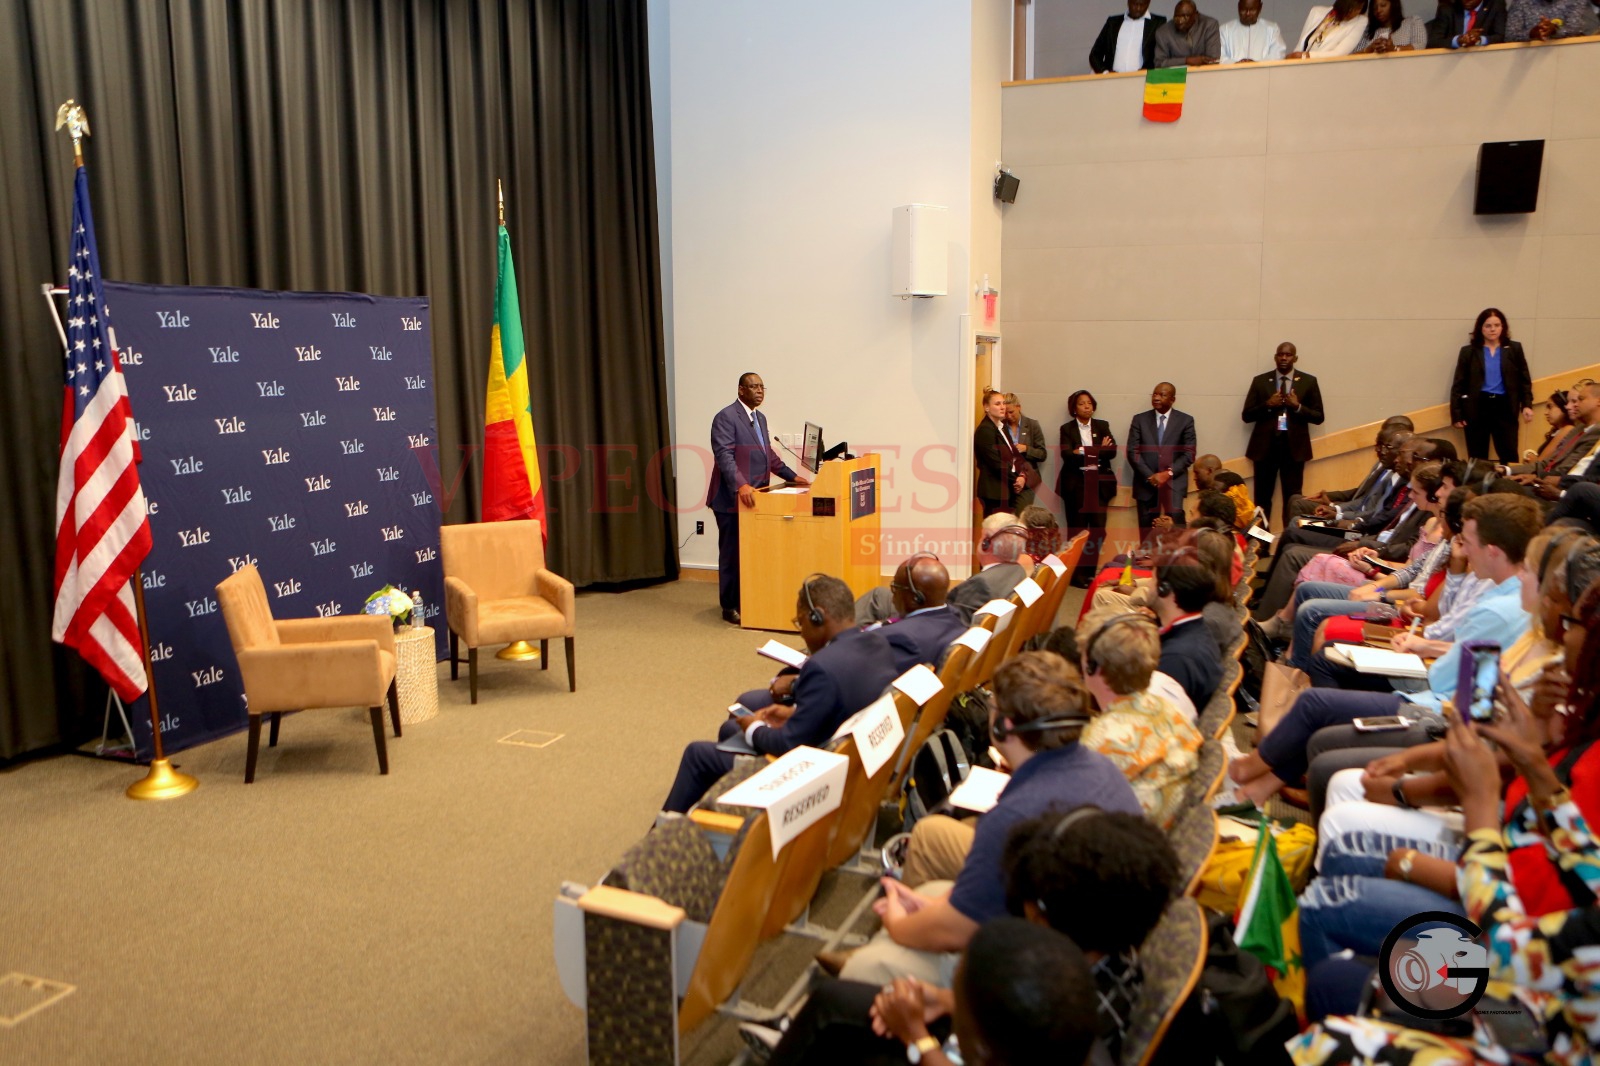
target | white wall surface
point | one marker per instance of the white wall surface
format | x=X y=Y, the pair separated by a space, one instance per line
x=794 y=131
x=1064 y=30
x=1139 y=251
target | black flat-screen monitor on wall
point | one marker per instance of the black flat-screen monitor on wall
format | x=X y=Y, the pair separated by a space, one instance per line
x=811 y=449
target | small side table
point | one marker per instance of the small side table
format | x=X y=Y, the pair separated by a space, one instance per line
x=416 y=674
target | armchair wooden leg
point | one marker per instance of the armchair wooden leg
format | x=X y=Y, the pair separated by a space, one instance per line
x=255 y=746
x=455 y=656
x=272 y=735
x=377 y=735
x=472 y=672
x=394 y=705
x=572 y=665
x=544 y=655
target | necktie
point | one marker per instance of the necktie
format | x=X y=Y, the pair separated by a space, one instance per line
x=1161 y=428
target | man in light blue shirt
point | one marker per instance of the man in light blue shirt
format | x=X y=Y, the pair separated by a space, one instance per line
x=1250 y=39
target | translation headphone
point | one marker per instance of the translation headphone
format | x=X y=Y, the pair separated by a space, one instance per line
x=814 y=616
x=1091 y=665
x=1000 y=730
x=1068 y=820
x=917 y=594
x=1163 y=586
x=1021 y=531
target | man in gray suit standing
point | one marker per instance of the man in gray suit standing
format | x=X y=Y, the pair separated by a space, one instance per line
x=1161 y=448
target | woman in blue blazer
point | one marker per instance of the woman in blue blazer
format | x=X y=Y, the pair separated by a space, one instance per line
x=1491 y=389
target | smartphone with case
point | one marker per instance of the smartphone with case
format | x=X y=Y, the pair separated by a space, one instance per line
x=1480 y=672
x=1381 y=725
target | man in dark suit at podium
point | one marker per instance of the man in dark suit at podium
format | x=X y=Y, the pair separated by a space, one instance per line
x=741 y=449
x=1161 y=448
x=1282 y=403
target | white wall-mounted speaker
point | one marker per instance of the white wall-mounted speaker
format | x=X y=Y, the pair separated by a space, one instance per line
x=921 y=257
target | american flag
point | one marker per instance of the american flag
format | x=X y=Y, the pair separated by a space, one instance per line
x=102 y=531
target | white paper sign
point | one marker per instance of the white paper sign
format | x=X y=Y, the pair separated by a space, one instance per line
x=920 y=683
x=1028 y=590
x=1002 y=610
x=980 y=791
x=1054 y=562
x=976 y=638
x=1260 y=534
x=878 y=733
x=783 y=654
x=797 y=791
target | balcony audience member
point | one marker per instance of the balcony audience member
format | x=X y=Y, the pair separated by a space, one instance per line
x=1468 y=24
x=1087 y=482
x=1491 y=388
x=1250 y=38
x=1548 y=20
x=1190 y=39
x=1390 y=29
x=1332 y=31
x=1127 y=42
x=1149 y=740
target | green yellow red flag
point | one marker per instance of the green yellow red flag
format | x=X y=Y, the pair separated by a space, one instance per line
x=512 y=487
x=1163 y=93
x=1267 y=924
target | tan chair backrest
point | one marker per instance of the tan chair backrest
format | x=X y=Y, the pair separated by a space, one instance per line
x=1000 y=646
x=1069 y=556
x=495 y=559
x=243 y=599
x=858 y=811
x=932 y=715
x=970 y=678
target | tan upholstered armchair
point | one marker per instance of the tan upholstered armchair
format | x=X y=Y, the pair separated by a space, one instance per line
x=303 y=663
x=496 y=591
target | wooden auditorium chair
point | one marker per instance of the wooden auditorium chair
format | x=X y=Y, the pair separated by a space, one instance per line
x=299 y=664
x=497 y=591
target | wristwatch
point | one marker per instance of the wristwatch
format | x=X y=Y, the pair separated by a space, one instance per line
x=1400 y=794
x=914 y=1052
x=1407 y=861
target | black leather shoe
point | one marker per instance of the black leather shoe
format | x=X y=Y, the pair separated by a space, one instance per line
x=730 y=616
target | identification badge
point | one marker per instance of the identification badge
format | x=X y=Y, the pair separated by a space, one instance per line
x=1283 y=423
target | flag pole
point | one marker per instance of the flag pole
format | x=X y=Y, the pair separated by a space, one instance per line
x=518 y=651
x=162 y=782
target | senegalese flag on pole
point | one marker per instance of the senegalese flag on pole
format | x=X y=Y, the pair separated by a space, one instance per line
x=1268 y=922
x=512 y=487
x=1163 y=93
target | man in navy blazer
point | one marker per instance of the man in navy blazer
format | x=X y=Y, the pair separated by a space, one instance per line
x=847 y=670
x=1468 y=24
x=741 y=449
x=927 y=625
x=1161 y=448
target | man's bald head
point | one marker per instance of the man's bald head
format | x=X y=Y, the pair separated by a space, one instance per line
x=1205 y=471
x=921 y=581
x=1184 y=14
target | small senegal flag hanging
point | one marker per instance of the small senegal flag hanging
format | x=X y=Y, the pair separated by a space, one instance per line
x=1163 y=93
x=1268 y=920
x=512 y=487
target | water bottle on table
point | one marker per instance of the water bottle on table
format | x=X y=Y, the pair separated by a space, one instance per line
x=417 y=620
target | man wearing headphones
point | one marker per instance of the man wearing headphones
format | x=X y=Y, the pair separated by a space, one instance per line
x=1004 y=537
x=1039 y=710
x=927 y=625
x=847 y=670
x=1156 y=749
x=1189 y=654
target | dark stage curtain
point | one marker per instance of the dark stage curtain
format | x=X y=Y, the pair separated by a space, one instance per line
x=348 y=145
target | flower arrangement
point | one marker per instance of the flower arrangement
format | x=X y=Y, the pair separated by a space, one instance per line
x=392 y=602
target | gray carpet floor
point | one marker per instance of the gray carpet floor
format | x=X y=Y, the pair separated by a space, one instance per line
x=327 y=914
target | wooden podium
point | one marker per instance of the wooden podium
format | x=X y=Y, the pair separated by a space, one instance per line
x=827 y=527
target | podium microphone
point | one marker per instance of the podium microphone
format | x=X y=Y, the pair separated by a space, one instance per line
x=786 y=448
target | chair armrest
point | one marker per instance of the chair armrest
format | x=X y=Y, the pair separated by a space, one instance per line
x=337 y=673
x=633 y=907
x=461 y=609
x=558 y=590
x=352 y=627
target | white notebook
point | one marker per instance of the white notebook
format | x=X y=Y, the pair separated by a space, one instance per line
x=1378 y=660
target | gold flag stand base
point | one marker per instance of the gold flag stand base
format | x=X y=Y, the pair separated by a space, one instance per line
x=518 y=652
x=162 y=783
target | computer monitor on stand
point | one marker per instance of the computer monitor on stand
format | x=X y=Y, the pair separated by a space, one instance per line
x=812 y=452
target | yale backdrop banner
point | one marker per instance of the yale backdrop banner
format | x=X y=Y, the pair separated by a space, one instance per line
x=283 y=429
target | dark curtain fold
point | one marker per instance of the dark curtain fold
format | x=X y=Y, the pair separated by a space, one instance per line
x=348 y=145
